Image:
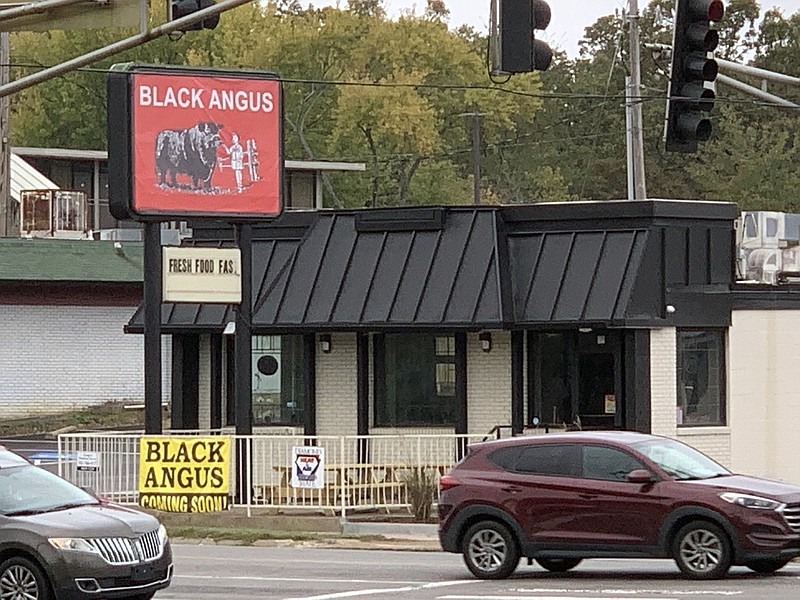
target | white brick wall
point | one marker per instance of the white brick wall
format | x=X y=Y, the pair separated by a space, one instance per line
x=663 y=381
x=58 y=358
x=204 y=384
x=337 y=387
x=488 y=383
x=764 y=394
x=713 y=441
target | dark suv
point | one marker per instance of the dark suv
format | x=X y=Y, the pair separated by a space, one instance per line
x=560 y=498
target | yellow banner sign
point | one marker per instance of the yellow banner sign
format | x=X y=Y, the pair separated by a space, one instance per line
x=189 y=474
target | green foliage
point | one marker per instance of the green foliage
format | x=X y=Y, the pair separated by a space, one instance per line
x=396 y=94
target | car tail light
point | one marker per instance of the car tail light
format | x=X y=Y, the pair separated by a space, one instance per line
x=447 y=482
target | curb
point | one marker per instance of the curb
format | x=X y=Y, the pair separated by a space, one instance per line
x=388 y=544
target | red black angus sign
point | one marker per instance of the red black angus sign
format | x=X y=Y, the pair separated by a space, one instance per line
x=194 y=143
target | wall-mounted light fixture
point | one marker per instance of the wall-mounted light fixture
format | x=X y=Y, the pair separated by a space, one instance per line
x=670 y=309
x=584 y=329
x=325 y=342
x=230 y=328
x=485 y=339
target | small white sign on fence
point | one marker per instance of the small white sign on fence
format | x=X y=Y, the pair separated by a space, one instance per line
x=88 y=461
x=308 y=467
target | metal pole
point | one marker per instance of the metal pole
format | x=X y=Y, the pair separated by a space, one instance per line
x=476 y=158
x=33 y=8
x=726 y=65
x=242 y=339
x=126 y=44
x=755 y=92
x=629 y=138
x=634 y=94
x=152 y=328
x=6 y=227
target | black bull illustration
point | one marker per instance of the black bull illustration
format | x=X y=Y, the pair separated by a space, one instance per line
x=191 y=152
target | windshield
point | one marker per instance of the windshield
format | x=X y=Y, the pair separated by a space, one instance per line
x=28 y=489
x=680 y=460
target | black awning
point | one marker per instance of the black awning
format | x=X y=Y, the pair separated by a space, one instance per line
x=345 y=275
x=574 y=277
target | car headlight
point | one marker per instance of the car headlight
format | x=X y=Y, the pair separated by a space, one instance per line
x=77 y=544
x=751 y=501
x=162 y=535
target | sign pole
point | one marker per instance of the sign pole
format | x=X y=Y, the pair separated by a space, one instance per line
x=243 y=361
x=152 y=328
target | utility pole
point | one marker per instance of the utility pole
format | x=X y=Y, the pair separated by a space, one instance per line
x=637 y=188
x=476 y=154
x=6 y=227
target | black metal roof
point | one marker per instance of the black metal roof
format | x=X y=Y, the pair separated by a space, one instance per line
x=478 y=268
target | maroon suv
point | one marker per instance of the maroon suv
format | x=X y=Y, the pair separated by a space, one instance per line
x=561 y=498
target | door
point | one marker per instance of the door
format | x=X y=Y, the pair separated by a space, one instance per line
x=599 y=381
x=620 y=514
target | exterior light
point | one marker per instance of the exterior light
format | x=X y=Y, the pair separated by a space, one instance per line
x=485 y=339
x=325 y=342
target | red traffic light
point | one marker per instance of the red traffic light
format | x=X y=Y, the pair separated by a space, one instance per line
x=716 y=10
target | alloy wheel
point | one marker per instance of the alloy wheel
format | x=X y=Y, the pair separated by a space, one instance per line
x=701 y=551
x=18 y=583
x=488 y=550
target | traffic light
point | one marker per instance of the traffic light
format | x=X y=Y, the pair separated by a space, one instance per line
x=184 y=8
x=692 y=67
x=520 y=51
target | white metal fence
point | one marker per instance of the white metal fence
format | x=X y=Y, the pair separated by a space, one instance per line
x=361 y=472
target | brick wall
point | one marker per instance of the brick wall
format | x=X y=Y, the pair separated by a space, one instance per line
x=204 y=384
x=58 y=358
x=713 y=441
x=763 y=396
x=336 y=387
x=663 y=382
x=488 y=383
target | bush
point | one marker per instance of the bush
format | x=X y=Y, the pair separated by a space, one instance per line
x=421 y=485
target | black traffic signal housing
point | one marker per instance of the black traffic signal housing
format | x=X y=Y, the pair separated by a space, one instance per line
x=520 y=51
x=184 y=8
x=689 y=98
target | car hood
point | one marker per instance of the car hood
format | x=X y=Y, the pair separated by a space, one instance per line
x=775 y=490
x=92 y=521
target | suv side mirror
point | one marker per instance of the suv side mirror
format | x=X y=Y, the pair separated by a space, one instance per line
x=641 y=476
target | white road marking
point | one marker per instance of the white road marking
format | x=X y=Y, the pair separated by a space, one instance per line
x=437 y=584
x=293 y=579
x=629 y=592
x=543 y=598
x=355 y=593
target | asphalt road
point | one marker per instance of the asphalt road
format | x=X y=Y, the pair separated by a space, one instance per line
x=297 y=573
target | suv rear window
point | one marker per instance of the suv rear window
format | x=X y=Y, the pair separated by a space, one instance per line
x=539 y=459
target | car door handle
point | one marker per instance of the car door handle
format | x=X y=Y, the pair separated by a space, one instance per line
x=512 y=489
x=588 y=496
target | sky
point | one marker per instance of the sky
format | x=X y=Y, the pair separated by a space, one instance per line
x=570 y=17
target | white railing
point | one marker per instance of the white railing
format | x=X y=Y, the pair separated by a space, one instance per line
x=361 y=472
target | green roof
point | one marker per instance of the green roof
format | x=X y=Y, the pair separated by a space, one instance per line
x=38 y=259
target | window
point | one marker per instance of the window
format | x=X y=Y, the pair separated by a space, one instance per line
x=279 y=385
x=552 y=399
x=505 y=458
x=608 y=464
x=418 y=380
x=549 y=459
x=701 y=377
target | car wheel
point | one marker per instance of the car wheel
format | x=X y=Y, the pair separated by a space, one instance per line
x=22 y=579
x=490 y=550
x=702 y=551
x=559 y=565
x=767 y=565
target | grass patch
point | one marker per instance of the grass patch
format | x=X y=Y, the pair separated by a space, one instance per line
x=111 y=415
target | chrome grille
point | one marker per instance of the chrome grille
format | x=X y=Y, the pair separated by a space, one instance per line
x=127 y=551
x=792 y=515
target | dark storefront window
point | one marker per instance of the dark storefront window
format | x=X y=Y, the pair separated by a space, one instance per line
x=552 y=399
x=279 y=385
x=420 y=381
x=701 y=377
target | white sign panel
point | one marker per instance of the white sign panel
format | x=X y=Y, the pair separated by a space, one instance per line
x=308 y=467
x=88 y=461
x=212 y=275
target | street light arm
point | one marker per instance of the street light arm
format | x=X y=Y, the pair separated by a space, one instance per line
x=126 y=44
